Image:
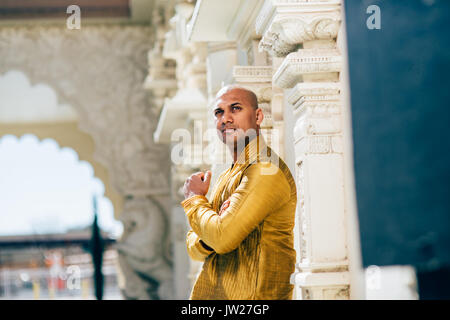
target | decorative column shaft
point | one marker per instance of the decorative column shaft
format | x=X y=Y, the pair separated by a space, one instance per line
x=304 y=33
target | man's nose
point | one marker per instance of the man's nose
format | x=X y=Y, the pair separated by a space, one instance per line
x=227 y=117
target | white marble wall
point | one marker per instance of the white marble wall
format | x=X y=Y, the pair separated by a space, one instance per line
x=293 y=55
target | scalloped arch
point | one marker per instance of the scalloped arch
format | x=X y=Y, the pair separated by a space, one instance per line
x=65 y=154
x=67 y=135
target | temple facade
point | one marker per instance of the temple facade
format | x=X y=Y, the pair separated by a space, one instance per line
x=292 y=55
x=142 y=88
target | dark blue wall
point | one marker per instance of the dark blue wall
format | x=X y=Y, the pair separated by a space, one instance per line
x=400 y=96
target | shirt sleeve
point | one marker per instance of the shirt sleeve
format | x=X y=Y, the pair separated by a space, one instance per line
x=256 y=196
x=194 y=247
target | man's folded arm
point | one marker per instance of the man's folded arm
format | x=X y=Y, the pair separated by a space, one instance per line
x=256 y=196
x=195 y=248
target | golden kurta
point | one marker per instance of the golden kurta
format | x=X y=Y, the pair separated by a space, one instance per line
x=253 y=252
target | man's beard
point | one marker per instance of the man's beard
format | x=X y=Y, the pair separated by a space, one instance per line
x=239 y=139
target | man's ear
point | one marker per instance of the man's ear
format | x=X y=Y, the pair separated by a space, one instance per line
x=259 y=116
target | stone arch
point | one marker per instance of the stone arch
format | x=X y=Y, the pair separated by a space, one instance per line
x=99 y=71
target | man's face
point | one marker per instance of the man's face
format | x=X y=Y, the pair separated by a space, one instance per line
x=236 y=116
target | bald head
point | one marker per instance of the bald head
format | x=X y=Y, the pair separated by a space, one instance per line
x=247 y=94
x=236 y=114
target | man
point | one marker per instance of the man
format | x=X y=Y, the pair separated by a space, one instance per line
x=245 y=234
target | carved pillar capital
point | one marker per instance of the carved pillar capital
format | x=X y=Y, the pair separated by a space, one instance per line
x=317 y=111
x=285 y=25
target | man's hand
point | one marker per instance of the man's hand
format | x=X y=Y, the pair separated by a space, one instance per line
x=197 y=184
x=224 y=206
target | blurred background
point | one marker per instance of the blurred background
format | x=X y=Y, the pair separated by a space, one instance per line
x=48 y=205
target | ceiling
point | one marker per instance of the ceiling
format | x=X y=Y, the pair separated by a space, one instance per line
x=54 y=10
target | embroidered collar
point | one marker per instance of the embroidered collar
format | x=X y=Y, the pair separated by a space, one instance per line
x=252 y=152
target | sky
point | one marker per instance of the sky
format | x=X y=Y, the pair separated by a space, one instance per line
x=44 y=188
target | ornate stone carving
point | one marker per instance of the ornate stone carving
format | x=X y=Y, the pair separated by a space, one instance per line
x=304 y=222
x=98 y=70
x=321 y=91
x=318 y=64
x=323 y=285
x=284 y=25
x=144 y=252
x=317 y=109
x=252 y=74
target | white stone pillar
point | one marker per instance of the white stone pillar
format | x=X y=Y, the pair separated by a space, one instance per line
x=320 y=181
x=304 y=33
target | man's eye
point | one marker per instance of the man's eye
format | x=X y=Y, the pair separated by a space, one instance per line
x=217 y=112
x=236 y=108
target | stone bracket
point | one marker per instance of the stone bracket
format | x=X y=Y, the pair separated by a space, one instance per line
x=284 y=25
x=308 y=64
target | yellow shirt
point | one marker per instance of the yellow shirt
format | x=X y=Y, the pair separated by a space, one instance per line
x=253 y=252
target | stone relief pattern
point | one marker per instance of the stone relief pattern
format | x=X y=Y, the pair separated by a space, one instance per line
x=306 y=61
x=99 y=70
x=143 y=251
x=285 y=34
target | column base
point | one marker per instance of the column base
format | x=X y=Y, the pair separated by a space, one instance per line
x=321 y=285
